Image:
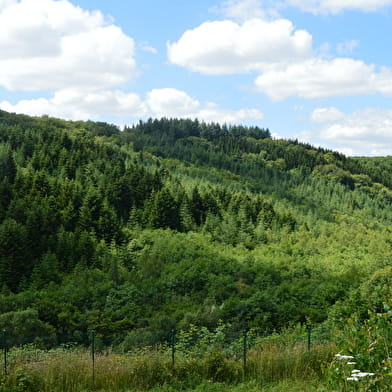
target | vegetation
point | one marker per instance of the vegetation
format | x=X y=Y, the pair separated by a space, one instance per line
x=272 y=360
x=178 y=224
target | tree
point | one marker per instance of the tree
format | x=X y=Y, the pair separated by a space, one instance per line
x=22 y=326
x=7 y=164
x=197 y=207
x=15 y=262
x=164 y=211
x=47 y=270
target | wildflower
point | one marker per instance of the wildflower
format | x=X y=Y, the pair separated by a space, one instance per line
x=352 y=379
x=363 y=374
x=340 y=356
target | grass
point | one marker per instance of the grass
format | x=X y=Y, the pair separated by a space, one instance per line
x=253 y=386
x=273 y=362
x=283 y=386
x=271 y=367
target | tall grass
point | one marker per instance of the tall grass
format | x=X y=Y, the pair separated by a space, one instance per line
x=272 y=362
x=70 y=370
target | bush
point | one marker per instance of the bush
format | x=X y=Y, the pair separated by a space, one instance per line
x=363 y=361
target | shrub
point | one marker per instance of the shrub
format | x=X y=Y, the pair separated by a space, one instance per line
x=363 y=361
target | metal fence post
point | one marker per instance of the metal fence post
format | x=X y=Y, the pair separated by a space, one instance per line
x=244 y=348
x=93 y=354
x=4 y=341
x=309 y=330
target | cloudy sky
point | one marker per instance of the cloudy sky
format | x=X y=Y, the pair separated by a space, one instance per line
x=316 y=70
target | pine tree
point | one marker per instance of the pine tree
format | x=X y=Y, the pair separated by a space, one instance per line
x=15 y=260
x=7 y=164
x=165 y=211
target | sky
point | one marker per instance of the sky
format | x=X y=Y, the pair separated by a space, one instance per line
x=319 y=71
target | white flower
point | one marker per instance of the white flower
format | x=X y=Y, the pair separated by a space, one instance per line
x=357 y=373
x=352 y=379
x=363 y=374
x=340 y=356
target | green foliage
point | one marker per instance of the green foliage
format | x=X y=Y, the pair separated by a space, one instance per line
x=14 y=251
x=377 y=290
x=69 y=369
x=22 y=326
x=365 y=347
x=174 y=223
x=199 y=341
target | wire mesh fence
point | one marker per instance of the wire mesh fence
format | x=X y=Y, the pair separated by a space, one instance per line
x=194 y=343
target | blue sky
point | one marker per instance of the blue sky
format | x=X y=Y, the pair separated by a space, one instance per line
x=316 y=70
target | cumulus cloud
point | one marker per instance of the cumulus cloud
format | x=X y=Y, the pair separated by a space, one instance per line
x=224 y=47
x=77 y=104
x=318 y=78
x=280 y=54
x=326 y=115
x=6 y=3
x=337 y=6
x=363 y=132
x=53 y=45
x=81 y=60
x=212 y=113
x=170 y=102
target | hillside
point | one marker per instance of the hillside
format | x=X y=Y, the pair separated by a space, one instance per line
x=172 y=223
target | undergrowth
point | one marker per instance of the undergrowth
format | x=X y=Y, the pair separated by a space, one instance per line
x=269 y=361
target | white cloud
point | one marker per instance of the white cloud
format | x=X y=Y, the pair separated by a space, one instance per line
x=242 y=9
x=347 y=47
x=170 y=102
x=81 y=105
x=245 y=9
x=317 y=78
x=224 y=47
x=80 y=60
x=148 y=48
x=280 y=54
x=337 y=6
x=363 y=132
x=211 y=113
x=6 y=3
x=167 y=102
x=326 y=115
x=54 y=45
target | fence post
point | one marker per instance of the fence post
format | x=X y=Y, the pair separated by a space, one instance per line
x=172 y=344
x=93 y=355
x=244 y=349
x=4 y=339
x=309 y=330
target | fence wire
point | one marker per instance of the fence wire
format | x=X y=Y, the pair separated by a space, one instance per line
x=191 y=343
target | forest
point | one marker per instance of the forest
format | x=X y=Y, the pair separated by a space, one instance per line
x=175 y=223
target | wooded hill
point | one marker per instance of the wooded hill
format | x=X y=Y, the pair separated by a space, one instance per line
x=172 y=223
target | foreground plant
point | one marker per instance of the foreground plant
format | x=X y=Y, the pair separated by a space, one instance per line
x=367 y=346
x=211 y=361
